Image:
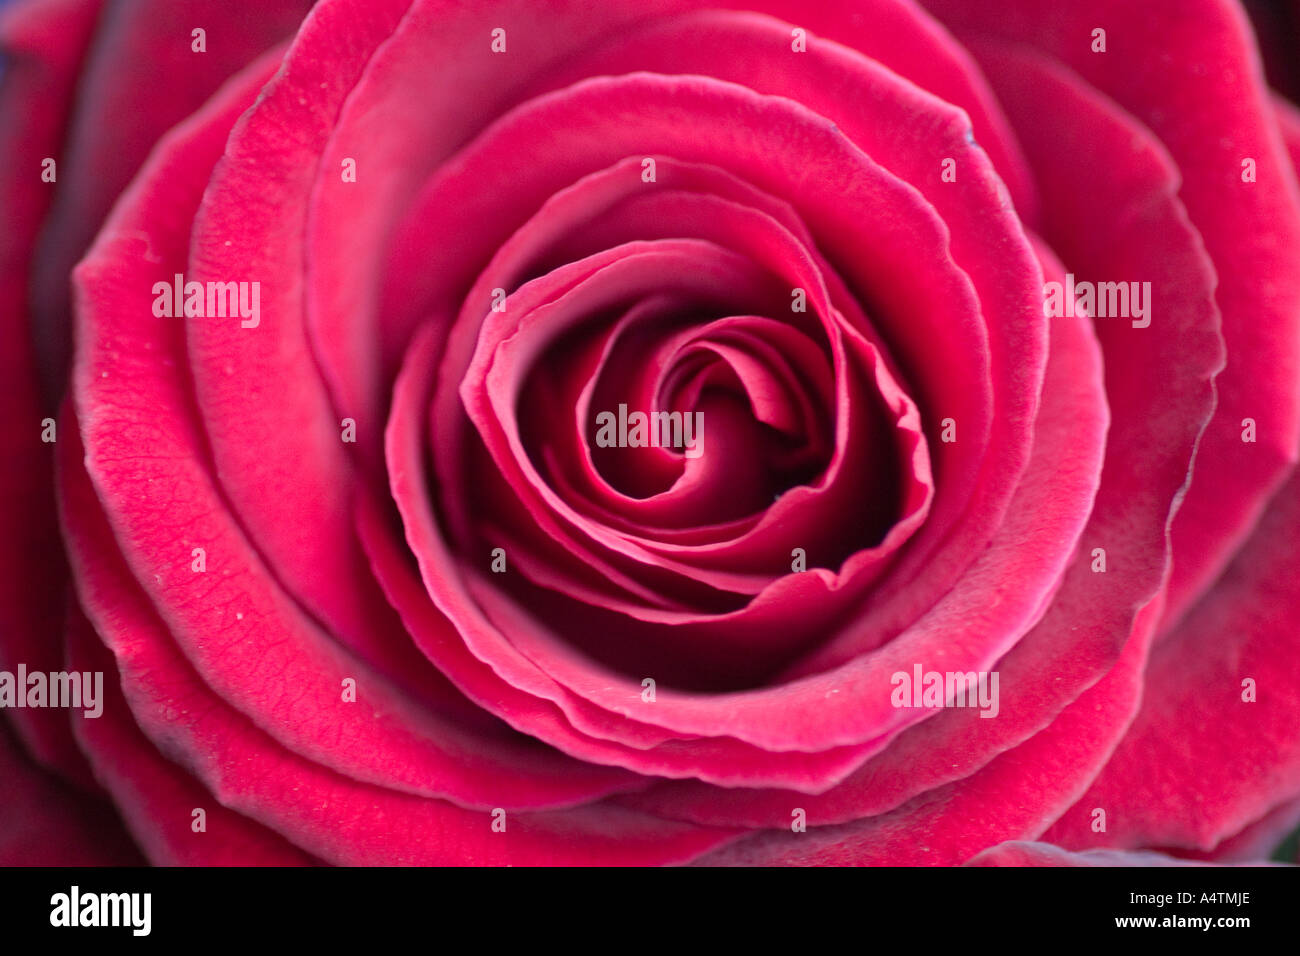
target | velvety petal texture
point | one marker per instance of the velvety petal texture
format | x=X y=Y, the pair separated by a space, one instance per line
x=787 y=433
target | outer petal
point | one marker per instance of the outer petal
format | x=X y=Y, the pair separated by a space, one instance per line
x=157 y=797
x=1020 y=853
x=1205 y=98
x=67 y=56
x=121 y=113
x=42 y=45
x=1200 y=765
x=1201 y=762
x=45 y=823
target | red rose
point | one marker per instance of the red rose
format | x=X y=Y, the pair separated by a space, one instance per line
x=634 y=433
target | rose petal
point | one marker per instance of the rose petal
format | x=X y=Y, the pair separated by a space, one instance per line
x=1207 y=105
x=246 y=637
x=159 y=798
x=1021 y=853
x=43 y=45
x=167 y=82
x=47 y=823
